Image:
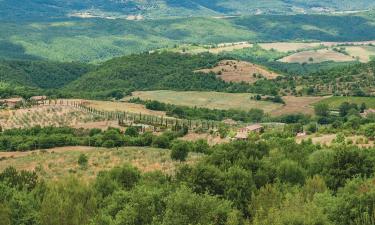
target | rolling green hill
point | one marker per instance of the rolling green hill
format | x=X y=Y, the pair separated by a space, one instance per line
x=96 y=40
x=41 y=9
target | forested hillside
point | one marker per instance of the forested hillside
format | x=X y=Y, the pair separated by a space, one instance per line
x=96 y=39
x=155 y=71
x=41 y=9
x=41 y=74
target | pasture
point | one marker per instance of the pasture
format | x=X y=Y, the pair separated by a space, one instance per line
x=60 y=162
x=316 y=56
x=240 y=71
x=212 y=100
x=335 y=101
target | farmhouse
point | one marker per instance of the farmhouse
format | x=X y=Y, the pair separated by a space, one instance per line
x=244 y=132
x=12 y=102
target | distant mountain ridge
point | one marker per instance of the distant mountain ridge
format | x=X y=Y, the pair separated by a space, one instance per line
x=31 y=9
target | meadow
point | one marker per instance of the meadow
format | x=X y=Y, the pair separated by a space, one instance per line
x=212 y=100
x=335 y=101
x=61 y=162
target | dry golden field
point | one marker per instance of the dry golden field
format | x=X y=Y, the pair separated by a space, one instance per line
x=212 y=100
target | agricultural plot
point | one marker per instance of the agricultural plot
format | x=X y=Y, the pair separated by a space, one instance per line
x=212 y=100
x=48 y=115
x=335 y=101
x=362 y=53
x=298 y=46
x=316 y=56
x=122 y=107
x=223 y=47
x=60 y=162
x=289 y=46
x=297 y=105
x=240 y=71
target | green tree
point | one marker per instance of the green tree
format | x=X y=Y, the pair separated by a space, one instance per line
x=180 y=150
x=321 y=109
x=290 y=171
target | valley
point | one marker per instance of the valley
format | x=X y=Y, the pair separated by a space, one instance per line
x=165 y=112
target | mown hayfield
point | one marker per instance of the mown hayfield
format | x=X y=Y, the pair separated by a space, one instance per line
x=317 y=56
x=60 y=162
x=335 y=101
x=212 y=100
x=363 y=53
x=240 y=71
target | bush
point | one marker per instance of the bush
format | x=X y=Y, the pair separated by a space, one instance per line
x=82 y=160
x=180 y=150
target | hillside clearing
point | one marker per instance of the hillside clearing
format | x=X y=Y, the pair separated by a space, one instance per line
x=316 y=56
x=212 y=100
x=60 y=162
x=240 y=71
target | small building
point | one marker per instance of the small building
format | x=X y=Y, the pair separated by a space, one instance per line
x=12 y=102
x=38 y=99
x=243 y=133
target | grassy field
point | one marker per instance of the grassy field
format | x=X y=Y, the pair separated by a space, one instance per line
x=316 y=56
x=60 y=162
x=335 y=102
x=363 y=53
x=212 y=100
x=289 y=46
x=238 y=71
